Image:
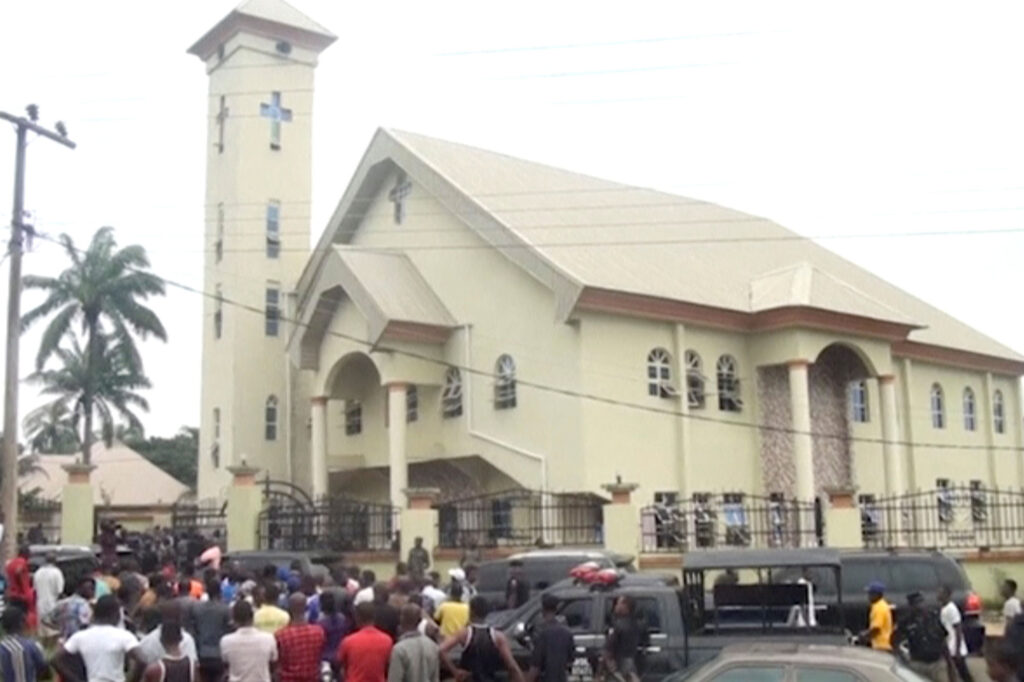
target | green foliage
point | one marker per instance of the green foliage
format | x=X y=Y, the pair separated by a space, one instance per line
x=178 y=456
x=50 y=429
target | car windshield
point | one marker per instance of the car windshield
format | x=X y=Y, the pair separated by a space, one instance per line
x=904 y=673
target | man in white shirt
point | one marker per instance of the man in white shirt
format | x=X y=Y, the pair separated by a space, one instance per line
x=48 y=582
x=104 y=647
x=434 y=593
x=953 y=622
x=151 y=648
x=1011 y=607
x=249 y=654
x=367 y=580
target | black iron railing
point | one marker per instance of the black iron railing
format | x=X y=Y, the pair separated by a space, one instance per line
x=950 y=517
x=204 y=517
x=39 y=521
x=332 y=524
x=521 y=518
x=716 y=521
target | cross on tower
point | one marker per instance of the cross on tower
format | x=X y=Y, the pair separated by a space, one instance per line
x=222 y=117
x=398 y=193
x=276 y=113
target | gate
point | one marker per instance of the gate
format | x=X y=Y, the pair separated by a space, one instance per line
x=203 y=517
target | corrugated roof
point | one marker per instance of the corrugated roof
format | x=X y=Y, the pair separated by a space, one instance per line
x=282 y=13
x=122 y=478
x=610 y=236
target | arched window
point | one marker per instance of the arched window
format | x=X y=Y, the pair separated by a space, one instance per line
x=270 y=419
x=659 y=374
x=505 y=383
x=695 y=394
x=728 y=385
x=451 y=394
x=859 y=401
x=970 y=413
x=938 y=405
x=998 y=412
x=412 y=404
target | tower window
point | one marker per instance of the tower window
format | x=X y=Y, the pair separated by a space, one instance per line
x=695 y=392
x=728 y=385
x=505 y=383
x=218 y=244
x=858 y=391
x=272 y=313
x=216 y=423
x=412 y=404
x=998 y=412
x=970 y=411
x=938 y=406
x=353 y=417
x=273 y=229
x=659 y=374
x=451 y=395
x=270 y=419
x=218 y=313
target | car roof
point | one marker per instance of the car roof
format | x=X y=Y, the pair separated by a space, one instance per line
x=760 y=558
x=762 y=650
x=561 y=553
x=893 y=553
x=628 y=582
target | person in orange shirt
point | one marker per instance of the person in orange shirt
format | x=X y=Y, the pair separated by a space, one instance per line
x=19 y=586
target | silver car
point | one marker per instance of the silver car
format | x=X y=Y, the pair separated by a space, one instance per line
x=793 y=662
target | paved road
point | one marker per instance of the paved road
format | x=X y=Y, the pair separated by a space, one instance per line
x=976 y=664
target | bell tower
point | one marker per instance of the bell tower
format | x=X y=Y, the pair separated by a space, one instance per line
x=260 y=60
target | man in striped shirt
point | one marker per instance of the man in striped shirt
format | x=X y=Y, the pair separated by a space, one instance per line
x=21 y=659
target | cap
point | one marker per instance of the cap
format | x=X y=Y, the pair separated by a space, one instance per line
x=875 y=586
x=457 y=574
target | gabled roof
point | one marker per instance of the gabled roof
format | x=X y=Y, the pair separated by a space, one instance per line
x=576 y=233
x=123 y=478
x=272 y=18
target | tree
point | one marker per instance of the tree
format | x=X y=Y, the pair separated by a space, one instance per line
x=102 y=388
x=178 y=456
x=50 y=429
x=102 y=292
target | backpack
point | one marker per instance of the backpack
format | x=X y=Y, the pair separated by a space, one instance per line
x=926 y=637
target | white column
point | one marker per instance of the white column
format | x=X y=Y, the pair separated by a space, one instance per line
x=318 y=445
x=983 y=422
x=682 y=422
x=892 y=449
x=399 y=474
x=803 y=446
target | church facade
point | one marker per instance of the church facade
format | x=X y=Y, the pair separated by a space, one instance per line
x=474 y=322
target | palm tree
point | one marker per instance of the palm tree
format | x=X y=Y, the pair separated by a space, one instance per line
x=101 y=292
x=50 y=429
x=103 y=387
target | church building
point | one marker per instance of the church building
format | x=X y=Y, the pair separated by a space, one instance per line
x=474 y=322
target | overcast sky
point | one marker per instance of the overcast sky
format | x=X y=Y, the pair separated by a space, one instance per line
x=831 y=118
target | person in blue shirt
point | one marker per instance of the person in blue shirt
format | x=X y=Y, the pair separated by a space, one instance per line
x=21 y=659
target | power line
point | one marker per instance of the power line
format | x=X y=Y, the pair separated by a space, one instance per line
x=370 y=347
x=610 y=43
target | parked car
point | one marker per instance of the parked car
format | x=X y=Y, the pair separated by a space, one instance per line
x=254 y=561
x=541 y=569
x=74 y=561
x=797 y=662
x=902 y=572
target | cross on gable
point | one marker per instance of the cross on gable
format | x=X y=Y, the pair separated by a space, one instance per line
x=276 y=113
x=398 y=193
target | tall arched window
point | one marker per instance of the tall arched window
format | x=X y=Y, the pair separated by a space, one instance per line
x=270 y=419
x=659 y=373
x=451 y=394
x=938 y=405
x=695 y=392
x=859 y=401
x=412 y=404
x=998 y=412
x=970 y=413
x=728 y=385
x=505 y=383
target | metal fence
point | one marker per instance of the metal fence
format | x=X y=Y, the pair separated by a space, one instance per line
x=521 y=518
x=951 y=517
x=331 y=524
x=204 y=517
x=715 y=521
x=39 y=521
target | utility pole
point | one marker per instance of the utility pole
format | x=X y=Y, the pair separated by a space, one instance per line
x=9 y=467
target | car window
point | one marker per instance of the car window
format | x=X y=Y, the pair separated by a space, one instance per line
x=751 y=673
x=915 y=575
x=825 y=675
x=951 y=574
x=857 y=574
x=575 y=613
x=823 y=578
x=646 y=609
x=492 y=576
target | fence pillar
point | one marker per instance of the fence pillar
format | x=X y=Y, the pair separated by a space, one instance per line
x=621 y=520
x=419 y=520
x=77 y=506
x=245 y=502
x=842 y=519
x=398 y=470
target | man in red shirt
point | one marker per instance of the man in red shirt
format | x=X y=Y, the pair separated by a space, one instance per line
x=364 y=654
x=19 y=586
x=299 y=645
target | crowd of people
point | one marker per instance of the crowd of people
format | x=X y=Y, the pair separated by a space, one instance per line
x=173 y=611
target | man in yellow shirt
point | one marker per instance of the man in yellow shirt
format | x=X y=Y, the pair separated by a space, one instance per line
x=879 y=632
x=452 y=615
x=269 y=617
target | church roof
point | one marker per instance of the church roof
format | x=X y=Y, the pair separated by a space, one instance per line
x=273 y=18
x=122 y=478
x=576 y=233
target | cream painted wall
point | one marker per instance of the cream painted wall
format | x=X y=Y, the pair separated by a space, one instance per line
x=868 y=461
x=244 y=367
